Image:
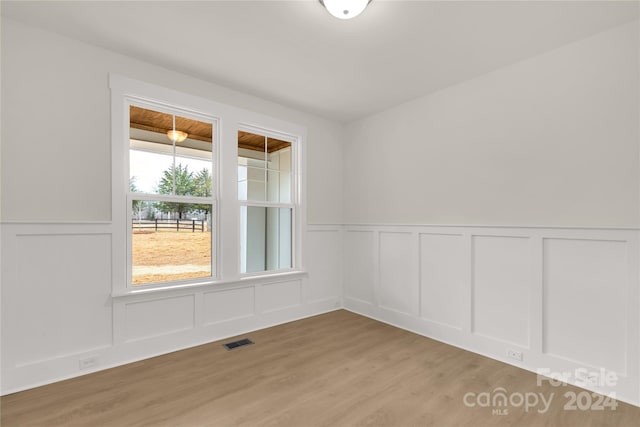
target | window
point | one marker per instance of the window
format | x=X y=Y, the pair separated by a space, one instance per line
x=170 y=198
x=267 y=202
x=200 y=198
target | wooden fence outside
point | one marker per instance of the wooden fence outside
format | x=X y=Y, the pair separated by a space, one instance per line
x=170 y=224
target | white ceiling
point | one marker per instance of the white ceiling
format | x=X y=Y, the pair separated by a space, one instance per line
x=295 y=53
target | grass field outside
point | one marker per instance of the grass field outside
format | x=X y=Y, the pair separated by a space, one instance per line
x=164 y=255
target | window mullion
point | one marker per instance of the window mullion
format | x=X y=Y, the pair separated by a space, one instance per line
x=171 y=198
x=266 y=204
x=266 y=165
x=173 y=146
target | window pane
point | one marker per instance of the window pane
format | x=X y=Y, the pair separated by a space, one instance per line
x=252 y=159
x=163 y=162
x=273 y=186
x=242 y=182
x=170 y=241
x=278 y=238
x=278 y=176
x=264 y=168
x=254 y=185
x=279 y=155
x=278 y=186
x=147 y=163
x=265 y=238
x=285 y=187
x=198 y=175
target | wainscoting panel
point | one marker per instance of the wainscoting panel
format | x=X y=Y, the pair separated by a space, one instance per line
x=585 y=296
x=278 y=296
x=565 y=300
x=398 y=288
x=501 y=272
x=60 y=320
x=228 y=305
x=360 y=274
x=60 y=297
x=323 y=263
x=153 y=318
x=442 y=282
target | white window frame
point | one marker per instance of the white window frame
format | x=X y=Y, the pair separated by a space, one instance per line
x=226 y=249
x=178 y=111
x=293 y=204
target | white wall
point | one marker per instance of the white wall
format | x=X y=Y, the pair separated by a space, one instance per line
x=55 y=128
x=550 y=141
x=534 y=168
x=57 y=233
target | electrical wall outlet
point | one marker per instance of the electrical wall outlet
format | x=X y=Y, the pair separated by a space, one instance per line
x=514 y=354
x=88 y=362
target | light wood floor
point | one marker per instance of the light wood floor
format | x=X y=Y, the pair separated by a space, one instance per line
x=337 y=369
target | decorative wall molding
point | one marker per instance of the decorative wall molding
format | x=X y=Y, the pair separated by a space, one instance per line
x=566 y=298
x=58 y=310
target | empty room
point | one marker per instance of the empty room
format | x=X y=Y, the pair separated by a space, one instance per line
x=320 y=213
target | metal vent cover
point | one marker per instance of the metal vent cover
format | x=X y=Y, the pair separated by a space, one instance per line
x=236 y=344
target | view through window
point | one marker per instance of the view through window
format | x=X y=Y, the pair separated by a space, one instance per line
x=266 y=210
x=171 y=196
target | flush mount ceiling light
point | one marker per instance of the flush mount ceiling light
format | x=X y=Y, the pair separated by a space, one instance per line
x=177 y=135
x=345 y=9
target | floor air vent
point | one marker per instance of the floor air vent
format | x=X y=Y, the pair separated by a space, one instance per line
x=236 y=344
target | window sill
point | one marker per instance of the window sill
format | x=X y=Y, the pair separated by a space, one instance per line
x=262 y=279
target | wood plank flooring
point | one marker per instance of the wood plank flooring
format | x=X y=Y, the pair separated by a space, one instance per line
x=336 y=369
